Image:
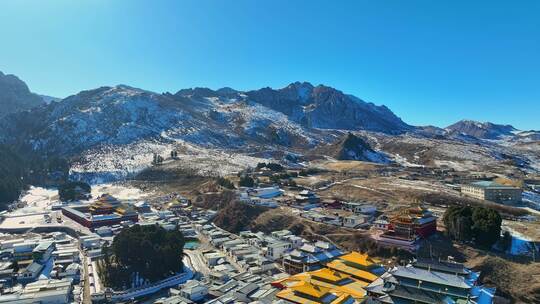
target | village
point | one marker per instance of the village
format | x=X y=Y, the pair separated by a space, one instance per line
x=56 y=260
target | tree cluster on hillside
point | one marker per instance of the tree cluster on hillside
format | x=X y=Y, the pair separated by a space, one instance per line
x=236 y=216
x=272 y=166
x=215 y=201
x=225 y=183
x=12 y=172
x=75 y=190
x=246 y=181
x=478 y=224
x=21 y=167
x=309 y=171
x=284 y=179
x=157 y=159
x=147 y=253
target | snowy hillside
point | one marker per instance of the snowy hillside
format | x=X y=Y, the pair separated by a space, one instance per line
x=491 y=131
x=113 y=132
x=413 y=150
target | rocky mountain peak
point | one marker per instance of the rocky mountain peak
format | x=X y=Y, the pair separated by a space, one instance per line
x=482 y=130
x=225 y=91
x=299 y=90
x=353 y=147
x=197 y=92
x=325 y=107
x=15 y=95
x=322 y=93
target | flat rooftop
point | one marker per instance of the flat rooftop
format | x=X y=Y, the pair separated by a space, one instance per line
x=491 y=185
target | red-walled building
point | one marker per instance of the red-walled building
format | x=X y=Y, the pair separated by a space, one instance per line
x=414 y=222
x=82 y=216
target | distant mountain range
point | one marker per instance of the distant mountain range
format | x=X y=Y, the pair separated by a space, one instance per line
x=300 y=117
x=294 y=116
x=488 y=130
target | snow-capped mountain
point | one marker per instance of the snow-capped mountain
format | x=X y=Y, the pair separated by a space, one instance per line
x=111 y=131
x=122 y=115
x=490 y=131
x=294 y=116
x=482 y=130
x=327 y=108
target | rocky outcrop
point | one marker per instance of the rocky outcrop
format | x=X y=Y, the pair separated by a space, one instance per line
x=352 y=147
x=327 y=108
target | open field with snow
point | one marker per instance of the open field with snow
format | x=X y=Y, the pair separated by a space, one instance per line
x=22 y=221
x=347 y=165
x=386 y=189
x=121 y=191
x=113 y=163
x=38 y=200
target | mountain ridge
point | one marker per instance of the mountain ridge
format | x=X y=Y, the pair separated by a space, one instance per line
x=292 y=116
x=489 y=130
x=15 y=95
x=112 y=128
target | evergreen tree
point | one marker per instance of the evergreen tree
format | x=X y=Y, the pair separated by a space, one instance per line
x=486 y=226
x=73 y=191
x=246 y=181
x=21 y=166
x=225 y=183
x=150 y=252
x=478 y=224
x=506 y=241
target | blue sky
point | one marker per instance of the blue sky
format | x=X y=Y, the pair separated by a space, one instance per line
x=431 y=62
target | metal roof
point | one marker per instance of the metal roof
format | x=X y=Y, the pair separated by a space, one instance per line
x=436 y=277
x=491 y=185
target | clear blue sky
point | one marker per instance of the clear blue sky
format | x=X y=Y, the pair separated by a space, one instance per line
x=431 y=62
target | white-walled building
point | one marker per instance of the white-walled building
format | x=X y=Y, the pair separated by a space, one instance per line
x=276 y=249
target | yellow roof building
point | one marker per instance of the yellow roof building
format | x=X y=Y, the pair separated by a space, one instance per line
x=303 y=292
x=357 y=265
x=322 y=286
x=341 y=281
x=360 y=258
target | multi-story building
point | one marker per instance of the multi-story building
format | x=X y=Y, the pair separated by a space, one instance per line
x=30 y=273
x=404 y=229
x=358 y=266
x=430 y=281
x=106 y=211
x=42 y=252
x=321 y=286
x=24 y=250
x=310 y=257
x=341 y=280
x=415 y=221
x=276 y=249
x=43 y=291
x=360 y=208
x=492 y=191
x=307 y=197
